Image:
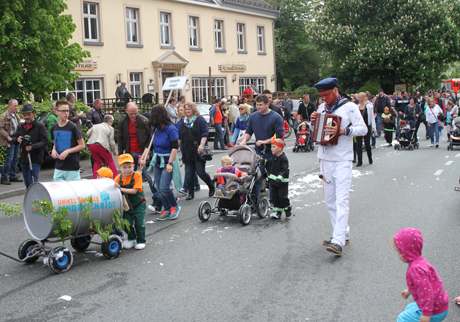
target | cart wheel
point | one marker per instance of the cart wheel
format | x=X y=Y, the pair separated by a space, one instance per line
x=263 y=208
x=112 y=247
x=26 y=248
x=416 y=145
x=80 y=244
x=244 y=214
x=204 y=211
x=60 y=259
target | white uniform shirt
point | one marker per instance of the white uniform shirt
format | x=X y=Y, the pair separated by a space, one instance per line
x=432 y=114
x=351 y=119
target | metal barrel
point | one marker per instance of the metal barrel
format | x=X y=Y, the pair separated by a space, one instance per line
x=72 y=195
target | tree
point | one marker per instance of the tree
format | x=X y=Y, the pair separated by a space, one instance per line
x=36 y=56
x=392 y=41
x=297 y=59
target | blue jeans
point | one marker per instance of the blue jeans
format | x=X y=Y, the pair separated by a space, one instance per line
x=236 y=133
x=379 y=124
x=219 y=139
x=412 y=313
x=9 y=168
x=30 y=176
x=163 y=180
x=434 y=132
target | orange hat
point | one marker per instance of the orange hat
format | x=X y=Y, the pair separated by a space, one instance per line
x=278 y=142
x=105 y=173
x=125 y=158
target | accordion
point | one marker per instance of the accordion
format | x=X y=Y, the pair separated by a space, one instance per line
x=324 y=120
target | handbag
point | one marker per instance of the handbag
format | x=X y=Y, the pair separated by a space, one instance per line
x=206 y=155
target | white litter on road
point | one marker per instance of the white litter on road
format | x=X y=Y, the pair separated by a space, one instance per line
x=449 y=162
x=66 y=298
x=150 y=222
x=161 y=264
x=438 y=172
x=208 y=229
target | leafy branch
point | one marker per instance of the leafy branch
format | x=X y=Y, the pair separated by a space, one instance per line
x=10 y=210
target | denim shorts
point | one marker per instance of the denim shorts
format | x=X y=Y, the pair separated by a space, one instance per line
x=61 y=175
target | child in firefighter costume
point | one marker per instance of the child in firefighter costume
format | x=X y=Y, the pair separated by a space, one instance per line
x=278 y=180
x=336 y=160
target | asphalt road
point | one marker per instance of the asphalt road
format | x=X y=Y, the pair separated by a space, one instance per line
x=267 y=271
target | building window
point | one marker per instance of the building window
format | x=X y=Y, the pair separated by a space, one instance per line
x=200 y=87
x=219 y=35
x=260 y=39
x=241 y=36
x=194 y=32
x=91 y=21
x=165 y=29
x=132 y=26
x=86 y=90
x=135 y=84
x=256 y=83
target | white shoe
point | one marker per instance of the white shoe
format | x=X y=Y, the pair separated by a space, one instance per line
x=140 y=246
x=152 y=209
x=128 y=244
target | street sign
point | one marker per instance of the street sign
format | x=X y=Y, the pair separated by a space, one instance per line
x=175 y=83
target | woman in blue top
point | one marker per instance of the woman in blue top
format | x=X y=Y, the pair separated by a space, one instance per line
x=165 y=145
x=241 y=122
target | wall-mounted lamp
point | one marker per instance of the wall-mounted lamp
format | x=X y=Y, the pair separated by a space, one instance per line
x=234 y=78
x=273 y=78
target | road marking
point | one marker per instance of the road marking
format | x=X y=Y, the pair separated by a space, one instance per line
x=457 y=155
x=204 y=187
x=449 y=162
x=438 y=172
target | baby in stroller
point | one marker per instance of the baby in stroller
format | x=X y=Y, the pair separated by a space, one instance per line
x=227 y=186
x=454 y=135
x=303 y=140
x=406 y=136
x=235 y=186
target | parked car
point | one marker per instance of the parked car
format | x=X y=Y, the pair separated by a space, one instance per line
x=204 y=110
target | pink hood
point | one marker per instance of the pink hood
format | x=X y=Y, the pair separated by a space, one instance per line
x=409 y=242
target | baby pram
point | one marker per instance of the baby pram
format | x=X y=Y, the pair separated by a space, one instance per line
x=406 y=137
x=454 y=135
x=303 y=141
x=237 y=196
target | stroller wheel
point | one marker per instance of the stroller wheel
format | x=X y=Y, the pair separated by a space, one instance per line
x=204 y=211
x=263 y=208
x=244 y=214
x=294 y=149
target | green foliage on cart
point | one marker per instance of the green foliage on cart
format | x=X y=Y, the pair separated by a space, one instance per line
x=64 y=226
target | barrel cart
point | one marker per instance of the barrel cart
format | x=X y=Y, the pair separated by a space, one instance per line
x=74 y=196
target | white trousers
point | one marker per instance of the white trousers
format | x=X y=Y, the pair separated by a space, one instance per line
x=337 y=186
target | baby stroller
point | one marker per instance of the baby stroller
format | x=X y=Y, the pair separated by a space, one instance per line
x=406 y=137
x=235 y=198
x=303 y=141
x=454 y=135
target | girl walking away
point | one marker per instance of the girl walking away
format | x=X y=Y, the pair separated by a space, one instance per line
x=423 y=282
x=130 y=183
x=388 y=125
x=165 y=145
x=278 y=180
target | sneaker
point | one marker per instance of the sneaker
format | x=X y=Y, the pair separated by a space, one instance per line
x=174 y=212
x=328 y=242
x=182 y=191
x=288 y=212
x=275 y=215
x=128 y=244
x=335 y=249
x=5 y=182
x=140 y=246
x=153 y=210
x=164 y=215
